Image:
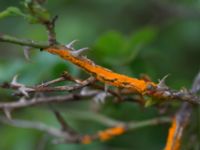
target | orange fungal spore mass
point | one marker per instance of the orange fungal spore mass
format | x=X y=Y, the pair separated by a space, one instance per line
x=103 y=74
x=173 y=140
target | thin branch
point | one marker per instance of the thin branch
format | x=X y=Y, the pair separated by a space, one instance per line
x=33 y=125
x=167 y=94
x=65 y=88
x=23 y=42
x=52 y=82
x=86 y=115
x=61 y=120
x=181 y=120
x=74 y=138
x=50 y=26
x=43 y=87
x=46 y=100
x=119 y=129
x=150 y=122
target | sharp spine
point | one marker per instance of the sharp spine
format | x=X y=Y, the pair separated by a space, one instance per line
x=70 y=45
x=78 y=52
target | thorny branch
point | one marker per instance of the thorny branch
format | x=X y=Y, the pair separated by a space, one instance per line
x=66 y=134
x=23 y=42
x=74 y=137
x=181 y=120
x=161 y=93
x=45 y=100
x=43 y=87
x=35 y=8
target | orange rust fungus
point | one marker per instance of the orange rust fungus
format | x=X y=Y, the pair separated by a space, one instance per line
x=109 y=133
x=102 y=74
x=174 y=138
x=86 y=139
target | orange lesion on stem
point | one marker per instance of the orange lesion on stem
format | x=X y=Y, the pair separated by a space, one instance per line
x=174 y=136
x=104 y=135
x=86 y=139
x=103 y=74
x=110 y=133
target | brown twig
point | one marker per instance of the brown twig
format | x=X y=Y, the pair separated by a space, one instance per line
x=78 y=138
x=50 y=26
x=35 y=125
x=166 y=94
x=23 y=42
x=43 y=87
x=169 y=95
x=181 y=120
x=60 y=79
x=45 y=100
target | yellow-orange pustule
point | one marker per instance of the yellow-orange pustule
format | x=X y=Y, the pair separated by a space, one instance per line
x=174 y=138
x=102 y=74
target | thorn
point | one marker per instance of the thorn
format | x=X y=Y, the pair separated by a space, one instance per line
x=79 y=51
x=161 y=84
x=24 y=90
x=37 y=95
x=7 y=112
x=22 y=100
x=106 y=88
x=70 y=45
x=184 y=90
x=26 y=52
x=86 y=90
x=21 y=87
x=14 y=80
x=100 y=97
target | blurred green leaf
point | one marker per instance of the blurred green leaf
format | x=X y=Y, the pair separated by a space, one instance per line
x=9 y=70
x=113 y=46
x=14 y=11
x=138 y=40
x=143 y=36
x=110 y=44
x=11 y=11
x=110 y=47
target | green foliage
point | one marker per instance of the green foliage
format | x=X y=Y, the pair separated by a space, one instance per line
x=111 y=46
x=34 y=13
x=11 y=11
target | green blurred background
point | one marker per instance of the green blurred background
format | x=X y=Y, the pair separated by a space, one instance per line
x=128 y=36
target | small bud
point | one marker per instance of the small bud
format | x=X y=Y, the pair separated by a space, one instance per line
x=7 y=112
